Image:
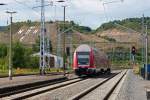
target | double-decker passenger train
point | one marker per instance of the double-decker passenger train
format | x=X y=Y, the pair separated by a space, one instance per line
x=89 y=61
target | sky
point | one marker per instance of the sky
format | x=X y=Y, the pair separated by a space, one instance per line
x=90 y=13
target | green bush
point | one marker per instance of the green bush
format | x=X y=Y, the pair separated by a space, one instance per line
x=3 y=64
x=34 y=62
x=18 y=55
x=22 y=57
x=3 y=50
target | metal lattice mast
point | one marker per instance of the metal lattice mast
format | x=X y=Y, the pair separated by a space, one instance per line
x=58 y=45
x=42 y=39
x=71 y=49
x=146 y=53
x=70 y=45
x=48 y=49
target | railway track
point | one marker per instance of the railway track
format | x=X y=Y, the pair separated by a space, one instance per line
x=71 y=91
x=32 y=90
x=34 y=94
x=102 y=90
x=27 y=86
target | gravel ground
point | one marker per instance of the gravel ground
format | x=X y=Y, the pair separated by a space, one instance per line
x=65 y=93
x=100 y=92
x=132 y=88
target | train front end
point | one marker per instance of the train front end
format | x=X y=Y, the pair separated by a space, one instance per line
x=83 y=62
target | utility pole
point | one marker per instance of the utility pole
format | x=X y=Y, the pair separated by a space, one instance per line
x=143 y=43
x=10 y=44
x=42 y=39
x=143 y=39
x=64 y=46
x=146 y=48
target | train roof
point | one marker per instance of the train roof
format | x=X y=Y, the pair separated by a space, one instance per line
x=83 y=47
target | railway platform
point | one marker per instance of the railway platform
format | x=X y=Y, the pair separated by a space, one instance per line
x=134 y=87
x=146 y=85
x=131 y=87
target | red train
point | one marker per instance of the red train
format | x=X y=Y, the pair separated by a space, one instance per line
x=89 y=61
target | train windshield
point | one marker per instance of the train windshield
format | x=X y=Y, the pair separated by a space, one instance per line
x=83 y=58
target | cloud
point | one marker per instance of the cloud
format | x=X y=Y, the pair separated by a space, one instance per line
x=7 y=1
x=86 y=12
x=87 y=6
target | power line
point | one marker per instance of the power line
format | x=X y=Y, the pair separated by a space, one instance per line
x=107 y=3
x=105 y=12
x=37 y=13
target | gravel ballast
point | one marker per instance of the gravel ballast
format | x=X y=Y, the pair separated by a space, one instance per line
x=66 y=92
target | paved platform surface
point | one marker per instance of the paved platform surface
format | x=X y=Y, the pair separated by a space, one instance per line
x=133 y=88
x=146 y=85
x=20 y=80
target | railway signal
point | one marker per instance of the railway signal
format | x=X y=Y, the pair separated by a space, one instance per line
x=133 y=50
x=68 y=51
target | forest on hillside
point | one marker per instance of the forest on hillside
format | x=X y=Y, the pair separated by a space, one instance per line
x=68 y=24
x=132 y=23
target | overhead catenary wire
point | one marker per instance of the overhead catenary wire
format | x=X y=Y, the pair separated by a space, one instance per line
x=21 y=3
x=27 y=6
x=105 y=13
x=43 y=43
x=107 y=3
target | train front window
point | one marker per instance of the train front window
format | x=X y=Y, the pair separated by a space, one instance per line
x=83 y=58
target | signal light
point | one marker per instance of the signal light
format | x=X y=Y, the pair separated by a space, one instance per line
x=133 y=50
x=68 y=51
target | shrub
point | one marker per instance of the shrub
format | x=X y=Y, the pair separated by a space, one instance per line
x=3 y=50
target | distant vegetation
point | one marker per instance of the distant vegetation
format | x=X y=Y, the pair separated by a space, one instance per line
x=77 y=27
x=21 y=57
x=133 y=23
x=18 y=25
x=108 y=38
x=3 y=28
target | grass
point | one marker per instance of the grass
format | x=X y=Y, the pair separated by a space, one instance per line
x=137 y=68
x=24 y=71
x=3 y=72
x=18 y=71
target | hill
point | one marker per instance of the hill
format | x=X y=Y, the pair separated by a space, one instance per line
x=28 y=33
x=132 y=23
x=127 y=30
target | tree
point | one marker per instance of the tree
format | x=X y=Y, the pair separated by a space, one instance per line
x=3 y=50
x=36 y=46
x=18 y=55
x=51 y=47
x=22 y=57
